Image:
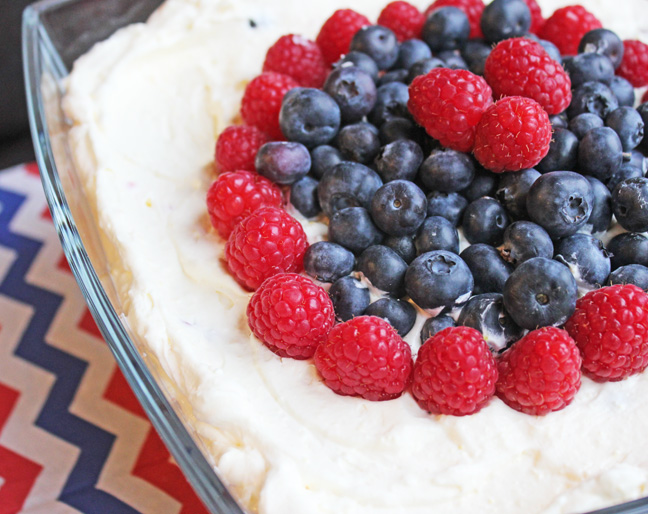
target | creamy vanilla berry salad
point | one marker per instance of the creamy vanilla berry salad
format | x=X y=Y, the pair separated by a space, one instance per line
x=390 y=258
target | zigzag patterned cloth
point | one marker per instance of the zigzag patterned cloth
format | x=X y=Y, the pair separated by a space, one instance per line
x=73 y=437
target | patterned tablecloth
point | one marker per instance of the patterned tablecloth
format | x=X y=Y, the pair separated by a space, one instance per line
x=73 y=437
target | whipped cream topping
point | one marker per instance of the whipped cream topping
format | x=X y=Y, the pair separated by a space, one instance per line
x=146 y=107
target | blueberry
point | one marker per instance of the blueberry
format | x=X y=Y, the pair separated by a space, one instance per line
x=399 y=160
x=283 y=162
x=475 y=52
x=484 y=183
x=309 y=116
x=452 y=59
x=583 y=123
x=323 y=158
x=447 y=171
x=399 y=75
x=486 y=313
x=539 y=293
x=350 y=298
x=412 y=51
x=592 y=97
x=551 y=49
x=600 y=153
x=400 y=314
x=446 y=28
x=377 y=42
x=347 y=184
x=638 y=160
x=403 y=246
x=605 y=42
x=560 y=202
x=484 y=221
x=631 y=274
x=586 y=257
x=353 y=90
x=628 y=125
x=589 y=67
x=512 y=191
x=433 y=326
x=559 y=120
x=449 y=205
x=563 y=152
x=437 y=233
x=303 y=196
x=601 y=216
x=352 y=228
x=438 y=279
x=643 y=112
x=391 y=101
x=360 y=60
x=524 y=240
x=328 y=262
x=423 y=67
x=398 y=128
x=503 y=19
x=489 y=270
x=384 y=268
x=628 y=248
x=625 y=172
x=359 y=142
x=630 y=204
x=399 y=207
x=623 y=91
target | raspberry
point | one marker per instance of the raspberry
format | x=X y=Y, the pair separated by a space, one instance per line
x=537 y=20
x=261 y=101
x=235 y=195
x=540 y=373
x=610 y=327
x=513 y=134
x=521 y=67
x=644 y=97
x=365 y=357
x=299 y=58
x=472 y=8
x=634 y=66
x=449 y=104
x=455 y=372
x=267 y=242
x=335 y=35
x=566 y=27
x=237 y=147
x=291 y=315
x=405 y=20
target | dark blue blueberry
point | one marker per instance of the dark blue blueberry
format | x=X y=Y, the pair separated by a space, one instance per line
x=453 y=59
x=353 y=90
x=328 y=262
x=589 y=67
x=486 y=313
x=309 y=116
x=362 y=61
x=484 y=183
x=323 y=158
x=623 y=90
x=399 y=314
x=283 y=162
x=399 y=128
x=559 y=120
x=412 y=51
x=638 y=160
x=630 y=204
x=503 y=19
x=403 y=246
x=433 y=326
x=560 y=202
x=437 y=233
x=449 y=205
x=512 y=191
x=359 y=142
x=551 y=49
x=303 y=196
x=353 y=228
x=601 y=216
x=635 y=274
x=438 y=279
x=628 y=125
x=350 y=298
x=447 y=171
x=399 y=75
x=583 y=123
x=475 y=52
x=603 y=41
x=628 y=248
x=600 y=153
x=399 y=160
x=391 y=102
x=484 y=221
x=423 y=67
x=384 y=268
x=625 y=172
x=540 y=292
x=347 y=184
x=446 y=28
x=593 y=97
x=488 y=269
x=643 y=112
x=377 y=42
x=399 y=207
x=586 y=257
x=563 y=152
x=524 y=240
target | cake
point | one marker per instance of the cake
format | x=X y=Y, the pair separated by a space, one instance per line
x=146 y=107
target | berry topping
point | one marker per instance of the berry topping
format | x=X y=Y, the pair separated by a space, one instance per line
x=267 y=242
x=299 y=58
x=537 y=20
x=566 y=26
x=603 y=41
x=484 y=221
x=353 y=228
x=291 y=315
x=335 y=35
x=365 y=357
x=350 y=298
x=283 y=162
x=237 y=147
x=446 y=28
x=433 y=326
x=524 y=240
x=634 y=66
x=630 y=202
x=384 y=269
x=540 y=373
x=309 y=116
x=472 y=8
x=399 y=313
x=504 y=19
x=489 y=270
x=455 y=373
x=610 y=327
x=399 y=207
x=404 y=20
x=303 y=197
x=353 y=90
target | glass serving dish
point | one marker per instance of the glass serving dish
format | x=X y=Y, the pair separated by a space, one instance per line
x=55 y=33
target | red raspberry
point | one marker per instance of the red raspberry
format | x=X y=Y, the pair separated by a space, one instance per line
x=513 y=134
x=540 y=373
x=337 y=32
x=261 y=101
x=291 y=315
x=521 y=67
x=299 y=58
x=634 y=66
x=537 y=20
x=235 y=195
x=472 y=8
x=405 y=20
x=449 y=104
x=267 y=242
x=455 y=372
x=567 y=26
x=610 y=327
x=237 y=147
x=365 y=357
x=644 y=97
